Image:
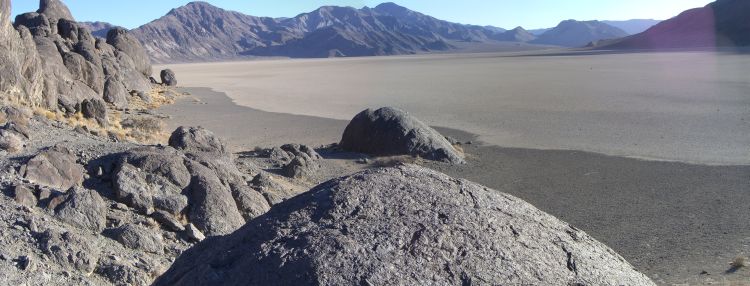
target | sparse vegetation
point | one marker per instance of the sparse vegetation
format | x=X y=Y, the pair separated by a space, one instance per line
x=739 y=262
x=392 y=161
x=144 y=129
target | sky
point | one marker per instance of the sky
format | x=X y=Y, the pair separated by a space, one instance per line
x=530 y=14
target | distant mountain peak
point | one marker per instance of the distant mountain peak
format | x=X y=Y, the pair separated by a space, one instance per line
x=390 y=6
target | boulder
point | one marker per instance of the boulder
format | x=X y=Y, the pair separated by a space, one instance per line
x=391 y=131
x=24 y=196
x=301 y=167
x=55 y=167
x=84 y=71
x=38 y=24
x=197 y=140
x=116 y=94
x=54 y=10
x=159 y=161
x=168 y=221
x=212 y=206
x=146 y=192
x=168 y=77
x=123 y=41
x=84 y=209
x=272 y=190
x=139 y=238
x=403 y=226
x=70 y=250
x=95 y=109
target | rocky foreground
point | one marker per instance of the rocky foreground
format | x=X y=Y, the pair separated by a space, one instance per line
x=95 y=194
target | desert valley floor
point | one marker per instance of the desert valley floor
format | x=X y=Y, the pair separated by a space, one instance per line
x=648 y=153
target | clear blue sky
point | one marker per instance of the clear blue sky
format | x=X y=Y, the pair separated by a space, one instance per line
x=530 y=14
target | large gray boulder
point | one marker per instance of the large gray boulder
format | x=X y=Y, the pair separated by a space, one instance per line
x=55 y=167
x=213 y=208
x=54 y=10
x=116 y=94
x=95 y=109
x=403 y=226
x=197 y=140
x=168 y=77
x=391 y=131
x=139 y=238
x=127 y=43
x=83 y=208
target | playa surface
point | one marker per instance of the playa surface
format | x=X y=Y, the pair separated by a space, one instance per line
x=686 y=106
x=672 y=221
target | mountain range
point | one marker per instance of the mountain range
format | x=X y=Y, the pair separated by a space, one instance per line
x=724 y=23
x=200 y=31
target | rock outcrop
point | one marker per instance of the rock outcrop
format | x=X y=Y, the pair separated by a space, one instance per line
x=391 y=131
x=194 y=177
x=403 y=226
x=49 y=60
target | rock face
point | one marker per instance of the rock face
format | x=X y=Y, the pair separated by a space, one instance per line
x=197 y=140
x=168 y=78
x=83 y=208
x=391 y=131
x=50 y=60
x=403 y=226
x=56 y=168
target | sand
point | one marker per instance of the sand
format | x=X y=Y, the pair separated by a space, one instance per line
x=686 y=106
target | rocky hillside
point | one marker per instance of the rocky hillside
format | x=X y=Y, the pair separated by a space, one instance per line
x=572 y=33
x=199 y=31
x=723 y=23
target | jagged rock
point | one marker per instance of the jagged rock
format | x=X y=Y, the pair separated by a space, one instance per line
x=146 y=192
x=139 y=238
x=168 y=77
x=116 y=94
x=168 y=221
x=70 y=250
x=95 y=109
x=391 y=131
x=194 y=233
x=197 y=140
x=24 y=196
x=403 y=226
x=83 y=208
x=123 y=41
x=250 y=204
x=55 y=167
x=18 y=129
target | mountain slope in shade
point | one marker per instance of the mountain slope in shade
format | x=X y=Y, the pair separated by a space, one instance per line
x=724 y=23
x=572 y=33
x=98 y=29
x=633 y=26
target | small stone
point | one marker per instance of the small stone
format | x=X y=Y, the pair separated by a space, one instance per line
x=192 y=232
x=26 y=263
x=99 y=172
x=168 y=221
x=24 y=196
x=120 y=206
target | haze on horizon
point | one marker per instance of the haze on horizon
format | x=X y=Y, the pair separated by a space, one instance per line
x=531 y=14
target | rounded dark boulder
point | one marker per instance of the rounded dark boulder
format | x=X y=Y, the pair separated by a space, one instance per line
x=391 y=131
x=403 y=226
x=168 y=77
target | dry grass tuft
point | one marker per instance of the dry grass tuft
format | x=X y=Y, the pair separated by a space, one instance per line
x=739 y=262
x=145 y=129
x=392 y=161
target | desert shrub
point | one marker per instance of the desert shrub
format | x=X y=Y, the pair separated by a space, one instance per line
x=145 y=129
x=393 y=161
